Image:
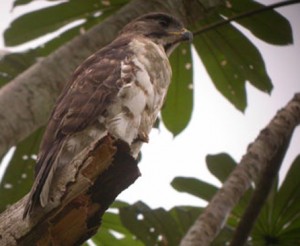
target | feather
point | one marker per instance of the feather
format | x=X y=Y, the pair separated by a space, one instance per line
x=119 y=90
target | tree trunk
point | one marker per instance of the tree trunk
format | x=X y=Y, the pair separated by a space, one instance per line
x=269 y=145
x=26 y=101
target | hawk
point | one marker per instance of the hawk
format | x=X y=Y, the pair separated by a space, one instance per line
x=119 y=91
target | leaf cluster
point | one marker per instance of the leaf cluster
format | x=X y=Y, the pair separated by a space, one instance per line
x=277 y=224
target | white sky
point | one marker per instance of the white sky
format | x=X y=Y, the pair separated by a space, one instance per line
x=216 y=126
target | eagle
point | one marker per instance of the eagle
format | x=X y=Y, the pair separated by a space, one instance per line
x=119 y=91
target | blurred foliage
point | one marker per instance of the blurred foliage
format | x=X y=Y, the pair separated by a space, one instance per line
x=158 y=226
x=279 y=219
x=112 y=231
x=18 y=177
x=25 y=28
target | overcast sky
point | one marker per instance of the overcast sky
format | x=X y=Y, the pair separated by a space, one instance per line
x=216 y=126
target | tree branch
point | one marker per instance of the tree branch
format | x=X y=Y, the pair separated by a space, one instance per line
x=269 y=145
x=82 y=191
x=260 y=195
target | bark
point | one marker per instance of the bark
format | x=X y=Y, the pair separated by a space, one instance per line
x=264 y=185
x=268 y=146
x=26 y=101
x=83 y=190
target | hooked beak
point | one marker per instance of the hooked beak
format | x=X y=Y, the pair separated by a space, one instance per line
x=178 y=36
x=184 y=35
x=187 y=35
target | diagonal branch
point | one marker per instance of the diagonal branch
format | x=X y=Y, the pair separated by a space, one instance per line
x=260 y=195
x=269 y=145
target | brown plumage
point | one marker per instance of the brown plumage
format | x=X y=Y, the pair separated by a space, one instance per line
x=118 y=90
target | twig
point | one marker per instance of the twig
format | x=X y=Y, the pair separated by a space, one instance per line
x=244 y=15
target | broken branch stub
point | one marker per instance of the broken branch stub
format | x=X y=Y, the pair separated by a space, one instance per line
x=82 y=192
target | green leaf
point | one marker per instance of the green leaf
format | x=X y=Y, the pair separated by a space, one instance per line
x=18 y=177
x=178 y=107
x=24 y=2
x=111 y=224
x=112 y=221
x=103 y=237
x=158 y=226
x=26 y=27
x=279 y=219
x=287 y=200
x=21 y=2
x=185 y=216
x=270 y=26
x=231 y=60
x=130 y=219
x=50 y=46
x=13 y=64
x=224 y=237
x=220 y=165
x=194 y=187
x=119 y=204
x=112 y=231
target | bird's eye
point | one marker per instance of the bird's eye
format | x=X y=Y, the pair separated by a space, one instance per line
x=164 y=23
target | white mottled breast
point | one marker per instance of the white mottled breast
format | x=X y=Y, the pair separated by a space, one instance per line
x=146 y=77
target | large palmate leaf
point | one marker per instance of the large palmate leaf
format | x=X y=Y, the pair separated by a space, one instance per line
x=112 y=231
x=194 y=187
x=269 y=26
x=231 y=60
x=279 y=220
x=18 y=177
x=26 y=27
x=220 y=165
x=12 y=64
x=21 y=2
x=178 y=107
x=158 y=226
x=24 y=2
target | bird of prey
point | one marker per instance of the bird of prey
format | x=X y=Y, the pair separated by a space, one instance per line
x=119 y=91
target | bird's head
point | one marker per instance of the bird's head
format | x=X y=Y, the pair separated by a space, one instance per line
x=161 y=28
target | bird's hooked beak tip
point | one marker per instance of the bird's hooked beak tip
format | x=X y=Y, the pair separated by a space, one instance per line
x=187 y=35
x=183 y=35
